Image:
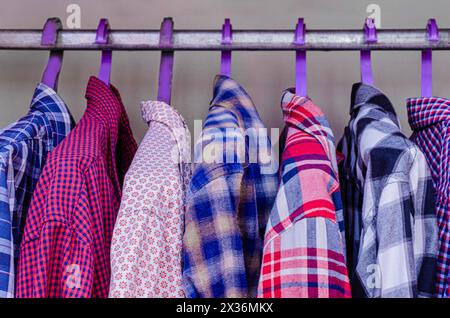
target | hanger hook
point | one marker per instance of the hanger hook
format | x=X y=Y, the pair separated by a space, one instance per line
x=432 y=30
x=166 y=33
x=102 y=36
x=300 y=59
x=50 y=31
x=300 y=31
x=227 y=37
x=370 y=31
x=370 y=36
x=166 y=65
x=227 y=32
x=50 y=38
x=427 y=59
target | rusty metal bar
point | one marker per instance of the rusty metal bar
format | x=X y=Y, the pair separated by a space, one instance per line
x=211 y=40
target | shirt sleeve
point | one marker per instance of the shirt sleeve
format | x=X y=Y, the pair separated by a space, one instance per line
x=305 y=261
x=6 y=239
x=303 y=255
x=397 y=253
x=147 y=240
x=56 y=252
x=214 y=265
x=425 y=226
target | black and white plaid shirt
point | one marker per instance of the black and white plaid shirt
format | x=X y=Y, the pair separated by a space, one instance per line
x=389 y=203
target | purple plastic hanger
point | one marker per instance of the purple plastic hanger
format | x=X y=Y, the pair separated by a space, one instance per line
x=300 y=59
x=427 y=65
x=166 y=65
x=370 y=36
x=54 y=64
x=227 y=37
x=102 y=37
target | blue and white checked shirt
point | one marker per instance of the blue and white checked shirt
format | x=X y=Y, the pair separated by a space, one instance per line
x=24 y=145
x=230 y=196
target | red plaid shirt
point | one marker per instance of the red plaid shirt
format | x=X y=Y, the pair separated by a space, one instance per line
x=304 y=248
x=65 y=251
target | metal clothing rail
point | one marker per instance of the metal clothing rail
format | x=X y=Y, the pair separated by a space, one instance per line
x=243 y=40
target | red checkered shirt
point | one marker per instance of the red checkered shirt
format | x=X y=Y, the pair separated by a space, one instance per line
x=65 y=250
x=304 y=248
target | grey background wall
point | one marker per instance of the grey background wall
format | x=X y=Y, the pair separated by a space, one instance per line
x=264 y=75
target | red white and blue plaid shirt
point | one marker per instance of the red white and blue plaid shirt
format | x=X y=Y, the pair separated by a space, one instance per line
x=65 y=250
x=304 y=248
x=430 y=120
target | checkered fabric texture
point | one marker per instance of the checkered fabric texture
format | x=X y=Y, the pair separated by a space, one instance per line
x=65 y=250
x=389 y=203
x=304 y=250
x=232 y=190
x=24 y=146
x=430 y=120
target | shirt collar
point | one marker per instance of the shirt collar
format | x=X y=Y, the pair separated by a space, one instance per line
x=49 y=103
x=367 y=95
x=427 y=111
x=163 y=113
x=169 y=116
x=302 y=113
x=233 y=115
x=229 y=94
x=105 y=105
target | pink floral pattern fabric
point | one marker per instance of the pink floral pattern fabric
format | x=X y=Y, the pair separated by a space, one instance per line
x=146 y=247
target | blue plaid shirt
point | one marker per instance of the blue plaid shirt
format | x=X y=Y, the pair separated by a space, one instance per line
x=230 y=196
x=24 y=146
